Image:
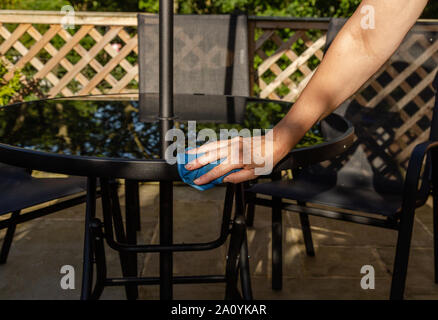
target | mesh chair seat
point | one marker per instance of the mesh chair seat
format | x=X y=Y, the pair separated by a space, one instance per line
x=19 y=190
x=323 y=190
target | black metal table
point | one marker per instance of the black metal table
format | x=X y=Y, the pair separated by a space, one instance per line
x=101 y=137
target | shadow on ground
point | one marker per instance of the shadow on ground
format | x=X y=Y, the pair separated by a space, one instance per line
x=43 y=246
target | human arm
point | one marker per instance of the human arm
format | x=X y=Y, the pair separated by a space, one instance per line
x=354 y=56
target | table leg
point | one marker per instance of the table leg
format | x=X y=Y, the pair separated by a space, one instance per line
x=87 y=269
x=245 y=277
x=166 y=238
x=234 y=250
x=132 y=225
x=277 y=244
x=131 y=290
x=232 y=267
x=237 y=259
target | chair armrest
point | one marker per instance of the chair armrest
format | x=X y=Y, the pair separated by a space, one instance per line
x=414 y=171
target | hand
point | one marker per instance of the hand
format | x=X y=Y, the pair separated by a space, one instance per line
x=254 y=156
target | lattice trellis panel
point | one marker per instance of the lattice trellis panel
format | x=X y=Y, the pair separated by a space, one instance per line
x=285 y=65
x=401 y=91
x=71 y=69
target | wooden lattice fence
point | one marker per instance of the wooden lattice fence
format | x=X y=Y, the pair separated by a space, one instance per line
x=285 y=54
x=97 y=56
x=38 y=43
x=403 y=88
x=100 y=56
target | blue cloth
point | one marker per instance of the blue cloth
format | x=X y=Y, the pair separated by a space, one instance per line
x=188 y=176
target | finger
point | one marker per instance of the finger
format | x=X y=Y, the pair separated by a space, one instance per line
x=240 y=176
x=209 y=146
x=215 y=173
x=209 y=157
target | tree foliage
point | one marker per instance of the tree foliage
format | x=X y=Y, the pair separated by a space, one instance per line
x=297 y=8
x=293 y=8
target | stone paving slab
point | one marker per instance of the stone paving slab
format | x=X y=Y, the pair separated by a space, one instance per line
x=42 y=246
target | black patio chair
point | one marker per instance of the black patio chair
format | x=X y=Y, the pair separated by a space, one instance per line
x=210 y=58
x=367 y=178
x=19 y=191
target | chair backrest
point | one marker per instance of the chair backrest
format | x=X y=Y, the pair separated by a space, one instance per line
x=210 y=57
x=434 y=124
x=210 y=54
x=391 y=113
x=335 y=25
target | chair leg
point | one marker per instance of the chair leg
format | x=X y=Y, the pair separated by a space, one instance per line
x=87 y=264
x=128 y=261
x=307 y=232
x=232 y=268
x=277 y=245
x=402 y=255
x=7 y=241
x=245 y=277
x=435 y=231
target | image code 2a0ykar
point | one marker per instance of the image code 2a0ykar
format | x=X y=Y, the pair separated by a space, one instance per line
x=221 y=310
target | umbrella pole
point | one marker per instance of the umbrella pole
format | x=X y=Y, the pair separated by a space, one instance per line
x=166 y=123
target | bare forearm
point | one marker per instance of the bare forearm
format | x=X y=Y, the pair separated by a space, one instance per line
x=354 y=56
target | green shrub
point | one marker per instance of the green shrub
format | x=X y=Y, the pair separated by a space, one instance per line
x=8 y=89
x=18 y=88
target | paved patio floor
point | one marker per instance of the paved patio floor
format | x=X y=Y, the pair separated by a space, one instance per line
x=43 y=246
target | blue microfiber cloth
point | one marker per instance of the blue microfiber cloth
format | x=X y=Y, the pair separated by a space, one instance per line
x=188 y=176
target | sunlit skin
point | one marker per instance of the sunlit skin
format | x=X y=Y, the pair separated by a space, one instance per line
x=354 y=56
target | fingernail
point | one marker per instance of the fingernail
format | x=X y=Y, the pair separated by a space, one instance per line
x=188 y=166
x=197 y=181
